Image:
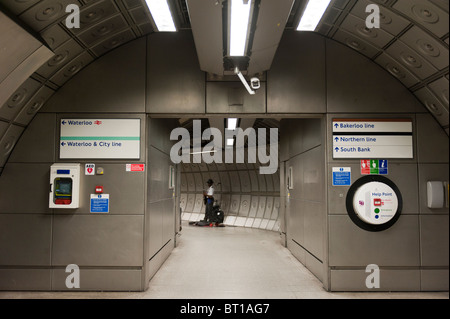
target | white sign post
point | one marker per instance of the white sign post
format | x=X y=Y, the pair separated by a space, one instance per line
x=372 y=138
x=100 y=138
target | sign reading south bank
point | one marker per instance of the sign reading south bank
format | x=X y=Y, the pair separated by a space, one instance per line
x=100 y=138
x=372 y=138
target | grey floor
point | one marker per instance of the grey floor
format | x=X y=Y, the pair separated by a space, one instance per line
x=229 y=263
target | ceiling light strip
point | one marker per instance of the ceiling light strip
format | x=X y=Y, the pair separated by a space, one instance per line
x=312 y=15
x=239 y=22
x=161 y=15
x=232 y=123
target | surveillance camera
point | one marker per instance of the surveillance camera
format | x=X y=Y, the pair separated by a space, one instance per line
x=254 y=83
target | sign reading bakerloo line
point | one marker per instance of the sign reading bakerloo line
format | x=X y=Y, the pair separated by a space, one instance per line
x=212 y=152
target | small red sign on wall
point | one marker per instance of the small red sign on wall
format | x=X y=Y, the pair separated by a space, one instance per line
x=365 y=167
x=135 y=167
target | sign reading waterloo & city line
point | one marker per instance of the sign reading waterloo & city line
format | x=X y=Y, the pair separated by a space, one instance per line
x=100 y=138
x=372 y=138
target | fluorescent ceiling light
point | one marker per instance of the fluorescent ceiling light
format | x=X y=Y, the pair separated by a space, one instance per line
x=230 y=141
x=232 y=123
x=240 y=15
x=161 y=15
x=312 y=15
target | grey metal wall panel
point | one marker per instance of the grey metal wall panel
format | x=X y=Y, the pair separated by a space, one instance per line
x=244 y=206
x=350 y=245
x=225 y=203
x=190 y=182
x=434 y=240
x=390 y=280
x=37 y=143
x=105 y=88
x=276 y=209
x=199 y=183
x=71 y=68
x=434 y=279
x=27 y=113
x=431 y=172
x=261 y=182
x=245 y=181
x=183 y=201
x=18 y=99
x=288 y=90
x=261 y=206
x=12 y=188
x=154 y=228
x=232 y=97
x=358 y=93
x=159 y=133
x=253 y=206
x=25 y=279
x=269 y=183
x=175 y=83
x=26 y=239
x=432 y=142
x=126 y=196
x=190 y=203
x=296 y=221
x=203 y=167
x=100 y=279
x=312 y=181
x=234 y=204
x=168 y=220
x=314 y=227
x=225 y=180
x=276 y=181
x=235 y=182
x=198 y=204
x=183 y=183
x=254 y=180
x=269 y=207
x=8 y=141
x=113 y=240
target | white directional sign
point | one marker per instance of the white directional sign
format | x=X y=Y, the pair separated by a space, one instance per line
x=100 y=138
x=372 y=138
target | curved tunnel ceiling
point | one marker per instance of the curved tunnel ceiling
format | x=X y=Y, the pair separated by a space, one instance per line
x=412 y=44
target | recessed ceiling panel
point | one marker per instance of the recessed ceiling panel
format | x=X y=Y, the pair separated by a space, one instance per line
x=396 y=70
x=389 y=21
x=426 y=14
x=357 y=27
x=45 y=13
x=411 y=60
x=429 y=48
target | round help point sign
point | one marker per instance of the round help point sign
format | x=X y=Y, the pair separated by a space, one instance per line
x=374 y=203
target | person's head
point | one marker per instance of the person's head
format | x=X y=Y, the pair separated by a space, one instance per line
x=209 y=182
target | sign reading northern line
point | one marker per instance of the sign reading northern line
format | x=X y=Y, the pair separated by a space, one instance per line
x=373 y=138
x=100 y=138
